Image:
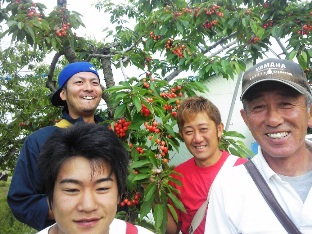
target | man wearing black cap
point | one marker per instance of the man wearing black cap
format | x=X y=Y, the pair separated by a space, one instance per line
x=79 y=94
x=276 y=98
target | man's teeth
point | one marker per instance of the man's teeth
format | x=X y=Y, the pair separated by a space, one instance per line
x=88 y=97
x=200 y=147
x=277 y=135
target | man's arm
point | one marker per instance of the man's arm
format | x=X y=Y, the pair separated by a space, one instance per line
x=172 y=226
x=26 y=196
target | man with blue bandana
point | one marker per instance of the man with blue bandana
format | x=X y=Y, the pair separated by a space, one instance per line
x=79 y=94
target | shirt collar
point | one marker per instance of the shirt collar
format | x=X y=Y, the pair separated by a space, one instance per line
x=65 y=115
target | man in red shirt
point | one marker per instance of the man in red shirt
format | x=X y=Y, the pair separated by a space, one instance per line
x=201 y=128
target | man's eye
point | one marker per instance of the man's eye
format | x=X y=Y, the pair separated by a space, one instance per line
x=258 y=108
x=71 y=190
x=285 y=105
x=102 y=189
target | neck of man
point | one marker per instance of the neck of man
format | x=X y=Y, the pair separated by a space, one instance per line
x=87 y=117
x=295 y=165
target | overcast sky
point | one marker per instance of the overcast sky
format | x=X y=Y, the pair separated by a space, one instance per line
x=94 y=20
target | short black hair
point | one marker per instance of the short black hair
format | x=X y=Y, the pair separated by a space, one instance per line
x=94 y=142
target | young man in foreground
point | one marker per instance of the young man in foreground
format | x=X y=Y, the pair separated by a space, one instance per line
x=84 y=168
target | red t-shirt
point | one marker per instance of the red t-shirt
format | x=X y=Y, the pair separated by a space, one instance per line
x=196 y=184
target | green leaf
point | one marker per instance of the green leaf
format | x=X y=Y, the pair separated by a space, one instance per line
x=139 y=164
x=146 y=208
x=11 y=23
x=177 y=203
x=301 y=60
x=292 y=54
x=304 y=56
x=158 y=215
x=153 y=160
x=260 y=32
x=176 y=181
x=224 y=65
x=120 y=110
x=20 y=25
x=137 y=103
x=233 y=151
x=277 y=31
x=173 y=212
x=120 y=95
x=185 y=23
x=149 y=191
x=253 y=26
x=233 y=134
x=169 y=129
x=141 y=177
x=180 y=28
x=244 y=22
x=31 y=32
x=115 y=88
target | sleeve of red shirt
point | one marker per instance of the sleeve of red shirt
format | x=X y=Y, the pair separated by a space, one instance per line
x=240 y=161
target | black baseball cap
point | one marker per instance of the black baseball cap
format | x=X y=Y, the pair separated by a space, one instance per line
x=280 y=70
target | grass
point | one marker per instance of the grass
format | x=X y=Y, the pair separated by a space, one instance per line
x=8 y=223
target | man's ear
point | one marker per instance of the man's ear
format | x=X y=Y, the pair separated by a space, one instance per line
x=220 y=129
x=63 y=94
x=310 y=117
x=244 y=116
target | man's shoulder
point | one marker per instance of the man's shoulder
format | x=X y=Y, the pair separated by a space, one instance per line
x=41 y=134
x=44 y=130
x=237 y=172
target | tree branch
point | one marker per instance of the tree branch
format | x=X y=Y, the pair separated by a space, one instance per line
x=223 y=48
x=281 y=45
x=50 y=83
x=121 y=61
x=219 y=43
x=173 y=74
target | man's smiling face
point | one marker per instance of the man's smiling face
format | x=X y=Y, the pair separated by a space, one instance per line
x=82 y=94
x=85 y=197
x=201 y=137
x=278 y=118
